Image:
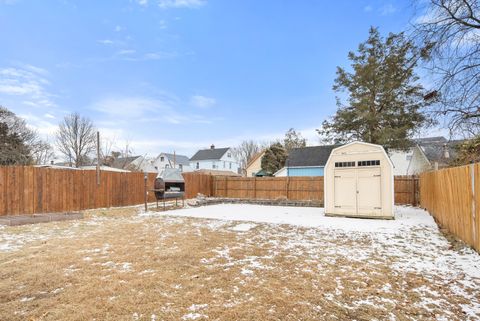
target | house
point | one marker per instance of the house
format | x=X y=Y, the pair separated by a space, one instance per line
x=167 y=160
x=215 y=158
x=134 y=164
x=216 y=172
x=254 y=166
x=306 y=161
x=426 y=154
x=432 y=153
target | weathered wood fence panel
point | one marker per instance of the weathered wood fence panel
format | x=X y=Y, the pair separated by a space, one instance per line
x=196 y=183
x=407 y=190
x=452 y=196
x=292 y=188
x=30 y=190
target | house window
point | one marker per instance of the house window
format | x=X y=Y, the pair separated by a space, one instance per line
x=166 y=166
x=181 y=167
x=409 y=157
x=344 y=164
x=230 y=165
x=229 y=155
x=198 y=165
x=224 y=165
x=162 y=158
x=369 y=163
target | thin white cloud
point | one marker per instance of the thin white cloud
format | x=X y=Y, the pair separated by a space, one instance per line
x=168 y=4
x=368 y=8
x=387 y=9
x=28 y=82
x=106 y=42
x=203 y=101
x=145 y=109
x=118 y=28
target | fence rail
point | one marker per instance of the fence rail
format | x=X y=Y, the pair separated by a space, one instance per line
x=452 y=196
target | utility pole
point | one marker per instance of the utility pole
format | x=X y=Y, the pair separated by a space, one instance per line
x=98 y=158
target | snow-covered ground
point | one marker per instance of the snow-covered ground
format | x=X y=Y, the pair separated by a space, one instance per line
x=405 y=217
x=242 y=262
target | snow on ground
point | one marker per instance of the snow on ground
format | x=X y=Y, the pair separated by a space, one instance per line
x=309 y=217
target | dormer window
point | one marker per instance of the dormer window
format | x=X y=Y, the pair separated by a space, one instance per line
x=229 y=154
x=162 y=158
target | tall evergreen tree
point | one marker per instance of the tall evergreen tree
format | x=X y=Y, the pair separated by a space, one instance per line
x=380 y=101
x=274 y=158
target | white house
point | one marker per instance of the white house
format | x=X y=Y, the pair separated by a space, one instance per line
x=427 y=154
x=167 y=160
x=215 y=158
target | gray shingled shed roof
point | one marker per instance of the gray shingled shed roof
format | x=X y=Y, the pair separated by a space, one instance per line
x=179 y=159
x=309 y=156
x=207 y=154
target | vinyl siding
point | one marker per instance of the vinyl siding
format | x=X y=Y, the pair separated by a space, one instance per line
x=305 y=171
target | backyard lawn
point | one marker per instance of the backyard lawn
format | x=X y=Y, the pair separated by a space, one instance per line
x=236 y=262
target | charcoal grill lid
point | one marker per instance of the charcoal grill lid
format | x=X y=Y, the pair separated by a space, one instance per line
x=172 y=175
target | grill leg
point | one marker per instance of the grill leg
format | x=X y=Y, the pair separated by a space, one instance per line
x=176 y=204
x=164 y=204
x=157 y=203
x=183 y=202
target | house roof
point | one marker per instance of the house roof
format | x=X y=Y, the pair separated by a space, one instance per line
x=207 y=154
x=255 y=157
x=123 y=162
x=431 y=140
x=435 y=151
x=179 y=159
x=309 y=156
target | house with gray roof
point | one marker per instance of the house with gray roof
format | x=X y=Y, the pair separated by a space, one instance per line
x=215 y=159
x=306 y=161
x=134 y=164
x=168 y=160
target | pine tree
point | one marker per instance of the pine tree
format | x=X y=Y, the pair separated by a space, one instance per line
x=274 y=158
x=384 y=101
x=13 y=150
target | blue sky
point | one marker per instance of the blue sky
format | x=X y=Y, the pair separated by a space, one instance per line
x=180 y=75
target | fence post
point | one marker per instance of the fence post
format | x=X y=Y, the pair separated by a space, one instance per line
x=474 y=218
x=255 y=187
x=286 y=186
x=226 y=186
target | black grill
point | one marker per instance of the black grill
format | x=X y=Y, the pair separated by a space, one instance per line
x=169 y=184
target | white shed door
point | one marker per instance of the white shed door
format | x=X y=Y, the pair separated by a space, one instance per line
x=369 y=196
x=345 y=191
x=358 y=191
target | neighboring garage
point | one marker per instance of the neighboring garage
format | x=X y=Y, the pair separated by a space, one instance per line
x=359 y=182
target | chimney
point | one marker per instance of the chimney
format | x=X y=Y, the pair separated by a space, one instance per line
x=51 y=162
x=446 y=153
x=212 y=147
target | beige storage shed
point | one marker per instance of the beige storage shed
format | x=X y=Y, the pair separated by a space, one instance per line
x=358 y=182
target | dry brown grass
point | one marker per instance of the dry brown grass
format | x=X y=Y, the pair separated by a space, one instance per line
x=115 y=265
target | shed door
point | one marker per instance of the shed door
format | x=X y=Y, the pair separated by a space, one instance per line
x=369 y=196
x=345 y=191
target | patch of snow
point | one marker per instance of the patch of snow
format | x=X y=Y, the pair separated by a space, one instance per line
x=193 y=316
x=244 y=227
x=26 y=299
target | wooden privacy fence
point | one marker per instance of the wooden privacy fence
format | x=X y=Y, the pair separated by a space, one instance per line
x=292 y=188
x=29 y=190
x=452 y=196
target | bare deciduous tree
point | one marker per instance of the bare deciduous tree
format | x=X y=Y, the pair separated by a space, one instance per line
x=76 y=139
x=450 y=32
x=246 y=151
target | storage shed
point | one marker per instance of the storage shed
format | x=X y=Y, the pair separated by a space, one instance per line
x=359 y=182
